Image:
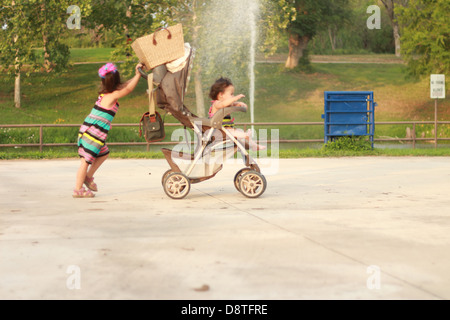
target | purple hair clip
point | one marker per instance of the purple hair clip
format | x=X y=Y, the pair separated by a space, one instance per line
x=107 y=68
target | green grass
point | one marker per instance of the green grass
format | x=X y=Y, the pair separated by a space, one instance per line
x=90 y=55
x=78 y=55
x=281 y=96
x=116 y=153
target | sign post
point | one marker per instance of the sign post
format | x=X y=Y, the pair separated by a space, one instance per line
x=437 y=91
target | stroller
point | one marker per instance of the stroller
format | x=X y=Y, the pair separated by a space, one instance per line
x=214 y=145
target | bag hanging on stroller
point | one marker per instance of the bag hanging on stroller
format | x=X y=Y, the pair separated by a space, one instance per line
x=151 y=121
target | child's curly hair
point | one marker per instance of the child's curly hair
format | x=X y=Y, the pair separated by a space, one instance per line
x=219 y=86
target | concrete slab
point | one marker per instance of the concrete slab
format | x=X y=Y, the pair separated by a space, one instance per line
x=331 y=228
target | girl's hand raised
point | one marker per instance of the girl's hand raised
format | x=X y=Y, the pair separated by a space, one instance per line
x=139 y=65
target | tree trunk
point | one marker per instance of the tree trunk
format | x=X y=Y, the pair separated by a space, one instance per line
x=17 y=91
x=128 y=14
x=199 y=94
x=17 y=80
x=200 y=102
x=389 y=5
x=396 y=38
x=332 y=36
x=47 y=65
x=296 y=46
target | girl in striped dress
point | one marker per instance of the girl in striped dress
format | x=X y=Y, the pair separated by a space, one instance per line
x=92 y=147
x=222 y=93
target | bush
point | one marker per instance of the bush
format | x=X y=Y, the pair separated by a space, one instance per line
x=352 y=143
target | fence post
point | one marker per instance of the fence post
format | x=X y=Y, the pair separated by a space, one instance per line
x=414 y=135
x=435 y=123
x=41 y=137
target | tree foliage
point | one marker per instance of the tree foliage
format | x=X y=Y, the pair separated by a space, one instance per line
x=17 y=29
x=35 y=23
x=425 y=36
x=29 y=24
x=127 y=20
x=302 y=19
x=275 y=18
x=351 y=35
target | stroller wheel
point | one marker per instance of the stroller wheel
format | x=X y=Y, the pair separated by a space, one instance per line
x=238 y=176
x=177 y=185
x=252 y=184
x=165 y=175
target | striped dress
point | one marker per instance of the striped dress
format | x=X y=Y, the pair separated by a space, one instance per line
x=94 y=131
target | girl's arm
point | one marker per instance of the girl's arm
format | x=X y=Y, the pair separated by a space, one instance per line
x=227 y=102
x=128 y=86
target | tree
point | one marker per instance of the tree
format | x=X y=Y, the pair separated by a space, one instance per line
x=302 y=28
x=127 y=20
x=29 y=24
x=51 y=19
x=425 y=36
x=338 y=16
x=349 y=31
x=390 y=6
x=302 y=19
x=15 y=47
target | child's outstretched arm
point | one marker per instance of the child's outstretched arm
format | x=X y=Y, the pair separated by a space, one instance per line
x=128 y=86
x=227 y=102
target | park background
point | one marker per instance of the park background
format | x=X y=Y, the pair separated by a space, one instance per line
x=304 y=47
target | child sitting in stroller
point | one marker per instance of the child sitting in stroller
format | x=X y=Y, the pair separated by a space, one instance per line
x=222 y=95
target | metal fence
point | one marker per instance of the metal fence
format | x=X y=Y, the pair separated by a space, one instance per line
x=412 y=139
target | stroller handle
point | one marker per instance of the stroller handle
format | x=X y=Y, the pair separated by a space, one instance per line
x=143 y=73
x=158 y=73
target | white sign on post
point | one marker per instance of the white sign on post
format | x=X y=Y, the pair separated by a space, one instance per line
x=437 y=86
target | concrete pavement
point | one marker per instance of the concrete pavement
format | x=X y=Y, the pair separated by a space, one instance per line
x=328 y=228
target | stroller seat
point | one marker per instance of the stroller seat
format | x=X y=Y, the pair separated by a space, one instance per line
x=214 y=144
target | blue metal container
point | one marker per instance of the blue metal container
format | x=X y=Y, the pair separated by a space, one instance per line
x=349 y=113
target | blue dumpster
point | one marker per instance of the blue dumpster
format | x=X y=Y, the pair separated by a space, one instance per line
x=349 y=113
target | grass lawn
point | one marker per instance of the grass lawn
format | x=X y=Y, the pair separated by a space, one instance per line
x=79 y=55
x=90 y=55
x=281 y=96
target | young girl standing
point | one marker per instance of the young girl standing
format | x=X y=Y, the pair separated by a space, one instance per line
x=92 y=147
x=222 y=95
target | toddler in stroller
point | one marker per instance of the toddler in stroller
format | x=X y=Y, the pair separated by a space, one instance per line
x=222 y=93
x=214 y=144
